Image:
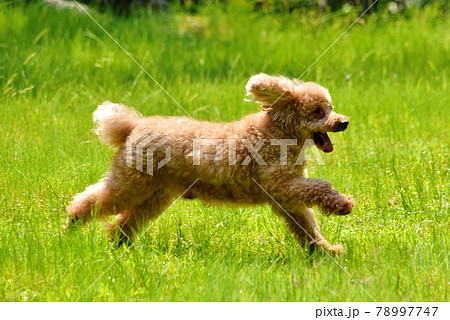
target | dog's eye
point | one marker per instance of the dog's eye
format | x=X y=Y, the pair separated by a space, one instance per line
x=318 y=113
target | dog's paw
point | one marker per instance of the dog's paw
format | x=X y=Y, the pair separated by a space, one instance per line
x=344 y=206
x=337 y=249
x=70 y=223
x=339 y=205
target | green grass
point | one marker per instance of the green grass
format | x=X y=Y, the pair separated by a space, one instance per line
x=390 y=75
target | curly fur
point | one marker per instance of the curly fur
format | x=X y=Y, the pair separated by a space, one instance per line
x=114 y=122
x=290 y=110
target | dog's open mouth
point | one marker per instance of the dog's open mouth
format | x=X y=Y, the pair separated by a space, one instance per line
x=322 y=141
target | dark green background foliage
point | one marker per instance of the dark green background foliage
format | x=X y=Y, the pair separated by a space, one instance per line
x=125 y=7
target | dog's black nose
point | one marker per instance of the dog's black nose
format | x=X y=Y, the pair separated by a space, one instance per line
x=343 y=125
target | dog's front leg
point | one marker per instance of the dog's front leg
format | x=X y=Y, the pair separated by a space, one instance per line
x=303 y=224
x=304 y=193
x=295 y=196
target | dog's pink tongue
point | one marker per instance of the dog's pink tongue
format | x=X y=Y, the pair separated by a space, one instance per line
x=327 y=145
x=323 y=142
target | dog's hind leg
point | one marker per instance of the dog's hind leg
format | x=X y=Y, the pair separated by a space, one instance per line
x=97 y=197
x=130 y=222
x=303 y=224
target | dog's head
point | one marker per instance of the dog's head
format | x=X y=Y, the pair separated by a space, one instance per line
x=300 y=108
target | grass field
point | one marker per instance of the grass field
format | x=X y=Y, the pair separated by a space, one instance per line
x=390 y=75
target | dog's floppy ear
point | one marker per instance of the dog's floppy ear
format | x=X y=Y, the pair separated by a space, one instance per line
x=270 y=91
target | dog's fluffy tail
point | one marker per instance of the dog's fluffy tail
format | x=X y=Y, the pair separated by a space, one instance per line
x=114 y=122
